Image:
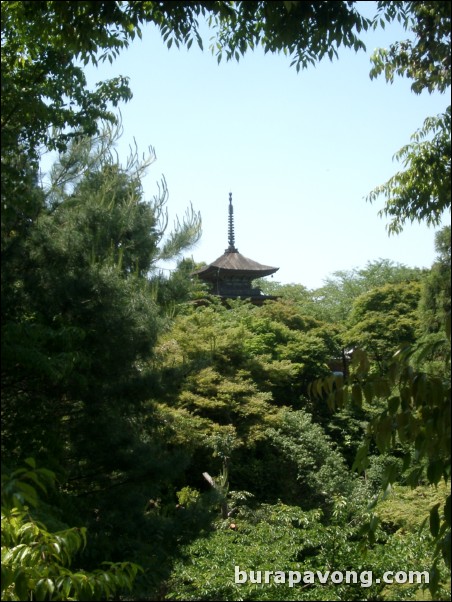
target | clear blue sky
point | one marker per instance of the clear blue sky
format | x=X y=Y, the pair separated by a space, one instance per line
x=299 y=152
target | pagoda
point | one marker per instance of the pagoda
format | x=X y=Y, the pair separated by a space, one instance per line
x=231 y=275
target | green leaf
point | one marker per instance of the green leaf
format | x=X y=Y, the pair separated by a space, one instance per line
x=374 y=522
x=435 y=471
x=21 y=585
x=434 y=520
x=446 y=549
x=44 y=589
x=357 y=395
x=368 y=391
x=447 y=511
x=393 y=404
x=31 y=462
x=434 y=579
x=7 y=576
x=361 y=459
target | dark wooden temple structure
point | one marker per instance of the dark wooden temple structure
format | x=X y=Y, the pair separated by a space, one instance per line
x=231 y=275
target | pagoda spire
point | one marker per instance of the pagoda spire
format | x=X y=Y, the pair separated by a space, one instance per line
x=231 y=237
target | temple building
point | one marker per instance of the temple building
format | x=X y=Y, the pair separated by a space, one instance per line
x=231 y=275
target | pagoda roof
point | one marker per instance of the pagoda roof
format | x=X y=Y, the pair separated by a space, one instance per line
x=234 y=263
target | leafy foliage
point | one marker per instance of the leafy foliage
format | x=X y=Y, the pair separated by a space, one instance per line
x=424 y=59
x=435 y=301
x=341 y=290
x=265 y=542
x=44 y=45
x=81 y=310
x=422 y=190
x=307 y=31
x=35 y=562
x=83 y=306
x=135 y=396
x=333 y=301
x=416 y=411
x=232 y=372
x=382 y=319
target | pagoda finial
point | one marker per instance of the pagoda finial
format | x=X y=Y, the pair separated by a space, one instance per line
x=231 y=237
